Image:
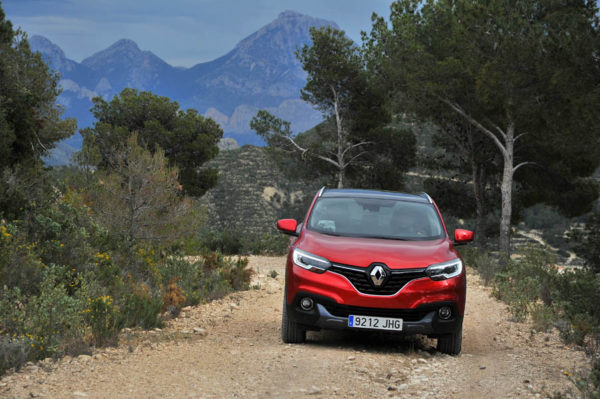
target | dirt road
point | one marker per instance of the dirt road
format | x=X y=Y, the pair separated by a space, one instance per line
x=231 y=349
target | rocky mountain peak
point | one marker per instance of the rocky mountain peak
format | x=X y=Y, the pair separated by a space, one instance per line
x=121 y=49
x=288 y=30
x=125 y=45
x=46 y=47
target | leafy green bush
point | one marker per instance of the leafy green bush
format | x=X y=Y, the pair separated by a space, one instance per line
x=266 y=244
x=227 y=242
x=237 y=273
x=14 y=352
x=231 y=242
x=588 y=242
x=20 y=265
x=187 y=275
x=104 y=319
x=141 y=306
x=487 y=267
x=65 y=232
x=577 y=297
x=526 y=281
x=531 y=286
x=56 y=317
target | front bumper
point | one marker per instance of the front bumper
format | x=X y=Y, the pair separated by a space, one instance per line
x=328 y=314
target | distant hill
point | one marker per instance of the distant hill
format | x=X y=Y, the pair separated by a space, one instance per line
x=260 y=72
x=252 y=193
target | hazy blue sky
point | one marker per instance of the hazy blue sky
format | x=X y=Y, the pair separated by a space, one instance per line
x=182 y=32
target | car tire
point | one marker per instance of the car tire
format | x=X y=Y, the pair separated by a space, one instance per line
x=450 y=344
x=291 y=333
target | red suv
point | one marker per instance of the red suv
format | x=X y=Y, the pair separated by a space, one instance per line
x=374 y=260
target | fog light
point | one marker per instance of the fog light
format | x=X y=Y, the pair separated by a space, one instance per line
x=445 y=313
x=306 y=303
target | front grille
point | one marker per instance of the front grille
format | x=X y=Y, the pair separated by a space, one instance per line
x=405 y=314
x=359 y=277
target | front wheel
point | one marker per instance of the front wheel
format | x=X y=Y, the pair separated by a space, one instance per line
x=291 y=333
x=450 y=344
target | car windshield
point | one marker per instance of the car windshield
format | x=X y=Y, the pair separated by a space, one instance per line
x=376 y=218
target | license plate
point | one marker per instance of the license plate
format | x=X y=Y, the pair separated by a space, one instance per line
x=377 y=323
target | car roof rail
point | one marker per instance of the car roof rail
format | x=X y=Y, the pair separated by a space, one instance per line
x=426 y=196
x=321 y=191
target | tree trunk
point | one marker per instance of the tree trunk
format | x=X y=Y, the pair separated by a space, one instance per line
x=478 y=192
x=506 y=190
x=340 y=178
x=341 y=140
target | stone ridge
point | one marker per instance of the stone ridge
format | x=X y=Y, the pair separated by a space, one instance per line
x=251 y=193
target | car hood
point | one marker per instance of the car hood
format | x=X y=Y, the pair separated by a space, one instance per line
x=359 y=251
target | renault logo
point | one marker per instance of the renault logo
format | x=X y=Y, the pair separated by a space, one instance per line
x=378 y=275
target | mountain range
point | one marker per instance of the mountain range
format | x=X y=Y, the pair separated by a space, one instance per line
x=261 y=72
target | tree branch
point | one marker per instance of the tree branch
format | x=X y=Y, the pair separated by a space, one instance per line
x=353 y=158
x=523 y=164
x=355 y=145
x=331 y=161
x=519 y=136
x=476 y=123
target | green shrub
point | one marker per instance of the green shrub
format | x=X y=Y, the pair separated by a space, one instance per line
x=577 y=297
x=542 y=317
x=265 y=244
x=20 y=264
x=542 y=217
x=104 y=319
x=588 y=242
x=234 y=272
x=14 y=353
x=12 y=311
x=237 y=273
x=141 y=306
x=527 y=281
x=232 y=242
x=213 y=286
x=56 y=317
x=227 y=241
x=187 y=275
x=487 y=266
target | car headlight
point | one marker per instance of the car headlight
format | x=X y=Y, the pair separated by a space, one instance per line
x=446 y=270
x=310 y=262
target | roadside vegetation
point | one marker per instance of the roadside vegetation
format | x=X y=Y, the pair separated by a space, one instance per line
x=89 y=249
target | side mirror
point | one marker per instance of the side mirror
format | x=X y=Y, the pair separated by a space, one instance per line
x=462 y=236
x=288 y=226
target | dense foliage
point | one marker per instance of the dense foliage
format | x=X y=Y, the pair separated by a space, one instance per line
x=357 y=144
x=522 y=75
x=187 y=138
x=30 y=123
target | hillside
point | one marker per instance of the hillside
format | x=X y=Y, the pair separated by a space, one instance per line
x=252 y=193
